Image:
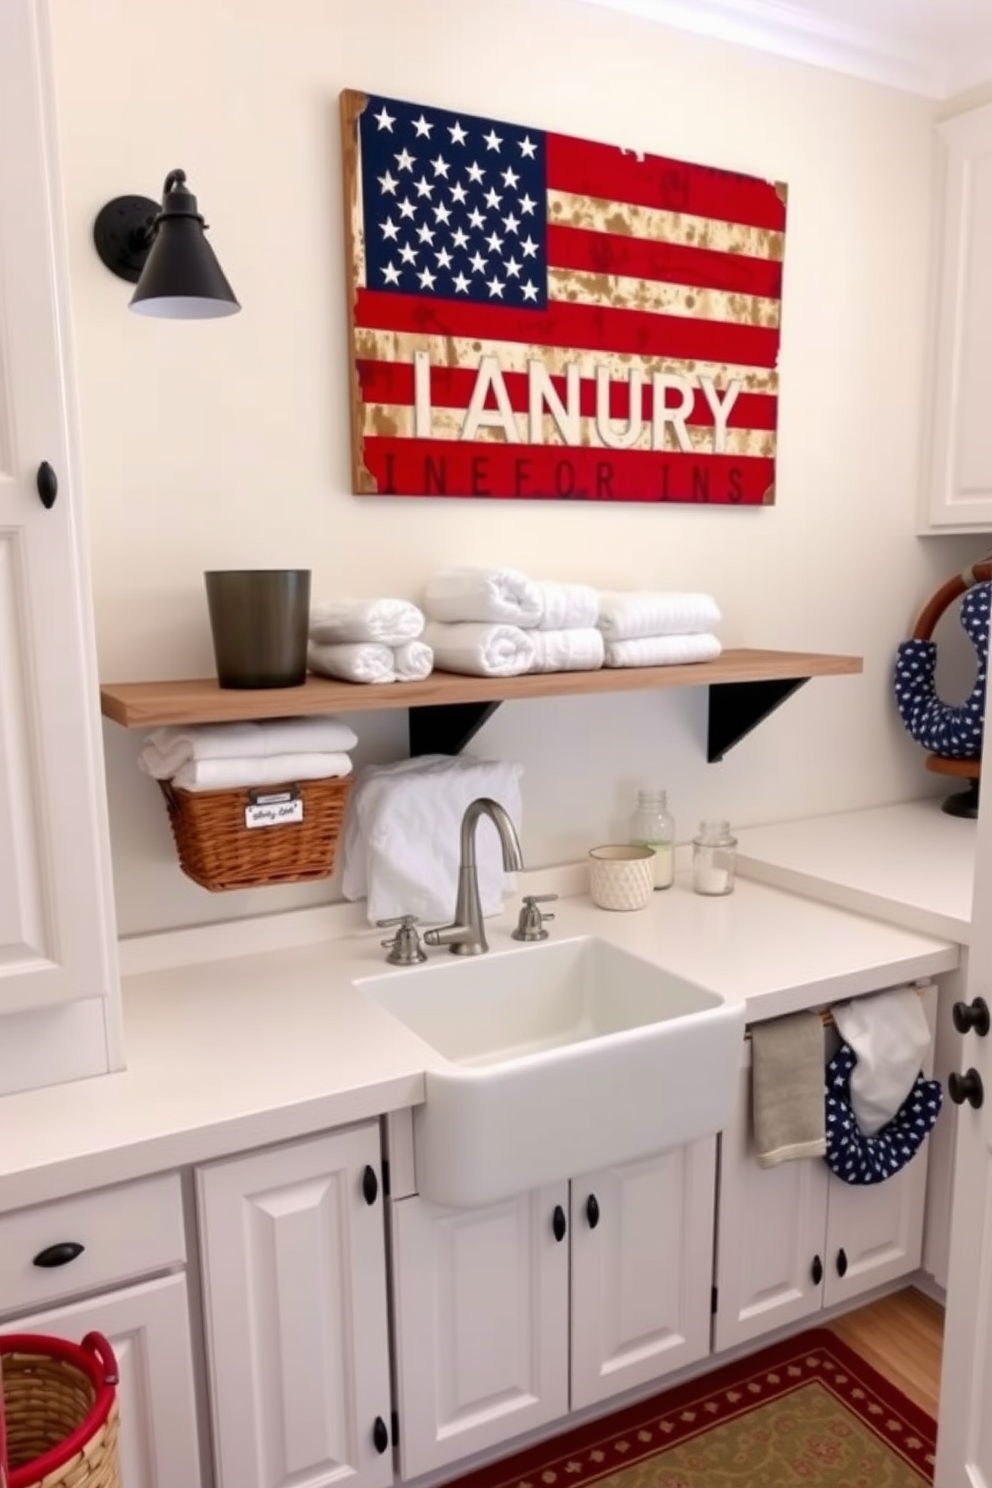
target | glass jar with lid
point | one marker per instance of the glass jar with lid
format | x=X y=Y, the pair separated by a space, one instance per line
x=714 y=858
x=652 y=825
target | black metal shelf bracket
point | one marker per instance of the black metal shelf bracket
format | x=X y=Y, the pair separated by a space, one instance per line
x=738 y=707
x=447 y=728
x=735 y=708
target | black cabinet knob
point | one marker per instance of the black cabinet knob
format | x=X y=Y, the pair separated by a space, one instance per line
x=967 y=1087
x=559 y=1226
x=971 y=1017
x=370 y=1185
x=841 y=1262
x=380 y=1435
x=47 y=483
x=58 y=1255
x=592 y=1211
x=816 y=1270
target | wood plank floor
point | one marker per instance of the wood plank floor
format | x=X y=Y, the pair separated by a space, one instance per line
x=901 y=1336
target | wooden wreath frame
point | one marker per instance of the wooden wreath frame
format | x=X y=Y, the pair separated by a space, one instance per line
x=964 y=803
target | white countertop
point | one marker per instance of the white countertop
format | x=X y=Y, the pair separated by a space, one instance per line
x=911 y=865
x=229 y=1052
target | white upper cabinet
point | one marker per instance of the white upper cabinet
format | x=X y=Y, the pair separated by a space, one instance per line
x=958 y=472
x=57 y=942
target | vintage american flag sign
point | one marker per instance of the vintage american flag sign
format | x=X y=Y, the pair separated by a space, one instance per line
x=539 y=317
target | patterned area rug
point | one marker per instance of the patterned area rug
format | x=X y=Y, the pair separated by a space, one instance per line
x=807 y=1413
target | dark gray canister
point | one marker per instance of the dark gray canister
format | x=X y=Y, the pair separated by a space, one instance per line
x=259 y=620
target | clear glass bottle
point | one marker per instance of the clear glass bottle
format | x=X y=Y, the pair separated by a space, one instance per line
x=652 y=825
x=714 y=858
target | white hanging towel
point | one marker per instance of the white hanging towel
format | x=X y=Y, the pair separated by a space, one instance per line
x=352 y=661
x=401 y=843
x=665 y=650
x=272 y=769
x=413 y=661
x=624 y=616
x=167 y=749
x=889 y=1035
x=388 y=621
x=568 y=606
x=488 y=595
x=480 y=650
x=567 y=650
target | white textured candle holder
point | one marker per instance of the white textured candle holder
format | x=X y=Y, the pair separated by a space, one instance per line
x=621 y=876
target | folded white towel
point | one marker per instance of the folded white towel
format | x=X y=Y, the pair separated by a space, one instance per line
x=388 y=621
x=484 y=594
x=647 y=612
x=273 y=769
x=567 y=650
x=167 y=749
x=889 y=1034
x=352 y=661
x=413 y=661
x=401 y=840
x=480 y=650
x=665 y=650
x=568 y=606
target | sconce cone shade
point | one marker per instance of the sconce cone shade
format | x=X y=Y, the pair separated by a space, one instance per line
x=165 y=251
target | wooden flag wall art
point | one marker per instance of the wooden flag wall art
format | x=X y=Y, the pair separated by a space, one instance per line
x=536 y=317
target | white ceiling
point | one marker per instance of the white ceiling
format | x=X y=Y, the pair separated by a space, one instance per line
x=934 y=47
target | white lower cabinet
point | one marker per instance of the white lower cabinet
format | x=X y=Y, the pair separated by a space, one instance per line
x=295 y=1306
x=148 y=1327
x=642 y=1267
x=606 y=1279
x=794 y=1238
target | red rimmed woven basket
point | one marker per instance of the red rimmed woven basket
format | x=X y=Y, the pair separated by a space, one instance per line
x=61 y=1416
x=218 y=850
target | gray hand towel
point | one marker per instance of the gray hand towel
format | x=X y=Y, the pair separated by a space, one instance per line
x=787 y=1060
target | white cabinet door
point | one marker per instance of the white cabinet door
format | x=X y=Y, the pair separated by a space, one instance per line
x=959 y=486
x=874 y=1234
x=771 y=1227
x=295 y=1306
x=642 y=1248
x=481 y=1317
x=56 y=910
x=148 y=1326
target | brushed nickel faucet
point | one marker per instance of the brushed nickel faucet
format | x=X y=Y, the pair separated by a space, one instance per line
x=467 y=936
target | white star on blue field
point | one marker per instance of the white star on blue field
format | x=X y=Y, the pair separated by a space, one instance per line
x=453 y=205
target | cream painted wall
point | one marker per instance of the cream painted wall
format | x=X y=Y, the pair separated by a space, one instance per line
x=225 y=443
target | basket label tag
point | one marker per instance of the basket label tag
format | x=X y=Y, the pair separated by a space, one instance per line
x=274 y=810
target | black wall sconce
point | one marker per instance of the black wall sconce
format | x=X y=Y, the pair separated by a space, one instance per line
x=162 y=250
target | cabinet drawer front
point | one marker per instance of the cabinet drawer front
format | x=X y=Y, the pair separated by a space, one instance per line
x=124 y=1232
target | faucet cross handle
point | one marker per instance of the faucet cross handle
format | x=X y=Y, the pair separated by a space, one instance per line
x=404 y=948
x=530 y=925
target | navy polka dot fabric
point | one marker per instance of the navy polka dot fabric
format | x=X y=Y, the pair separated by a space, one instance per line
x=860 y=1159
x=954 y=732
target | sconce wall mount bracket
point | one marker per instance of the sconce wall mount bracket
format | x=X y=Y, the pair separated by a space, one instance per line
x=123 y=234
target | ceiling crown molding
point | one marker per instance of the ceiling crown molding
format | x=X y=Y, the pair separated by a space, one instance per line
x=768 y=26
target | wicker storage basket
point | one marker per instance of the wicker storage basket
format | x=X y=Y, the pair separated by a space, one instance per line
x=61 y=1411
x=297 y=840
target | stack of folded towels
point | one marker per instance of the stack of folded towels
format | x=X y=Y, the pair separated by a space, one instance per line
x=368 y=640
x=223 y=756
x=497 y=622
x=658 y=627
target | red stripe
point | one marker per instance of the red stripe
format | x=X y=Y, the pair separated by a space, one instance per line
x=451 y=387
x=422 y=467
x=644 y=258
x=613 y=174
x=628 y=332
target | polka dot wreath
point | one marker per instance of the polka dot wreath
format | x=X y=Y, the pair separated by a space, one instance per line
x=952 y=732
x=861 y=1159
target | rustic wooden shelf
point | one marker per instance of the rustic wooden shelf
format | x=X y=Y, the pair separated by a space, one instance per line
x=447 y=710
